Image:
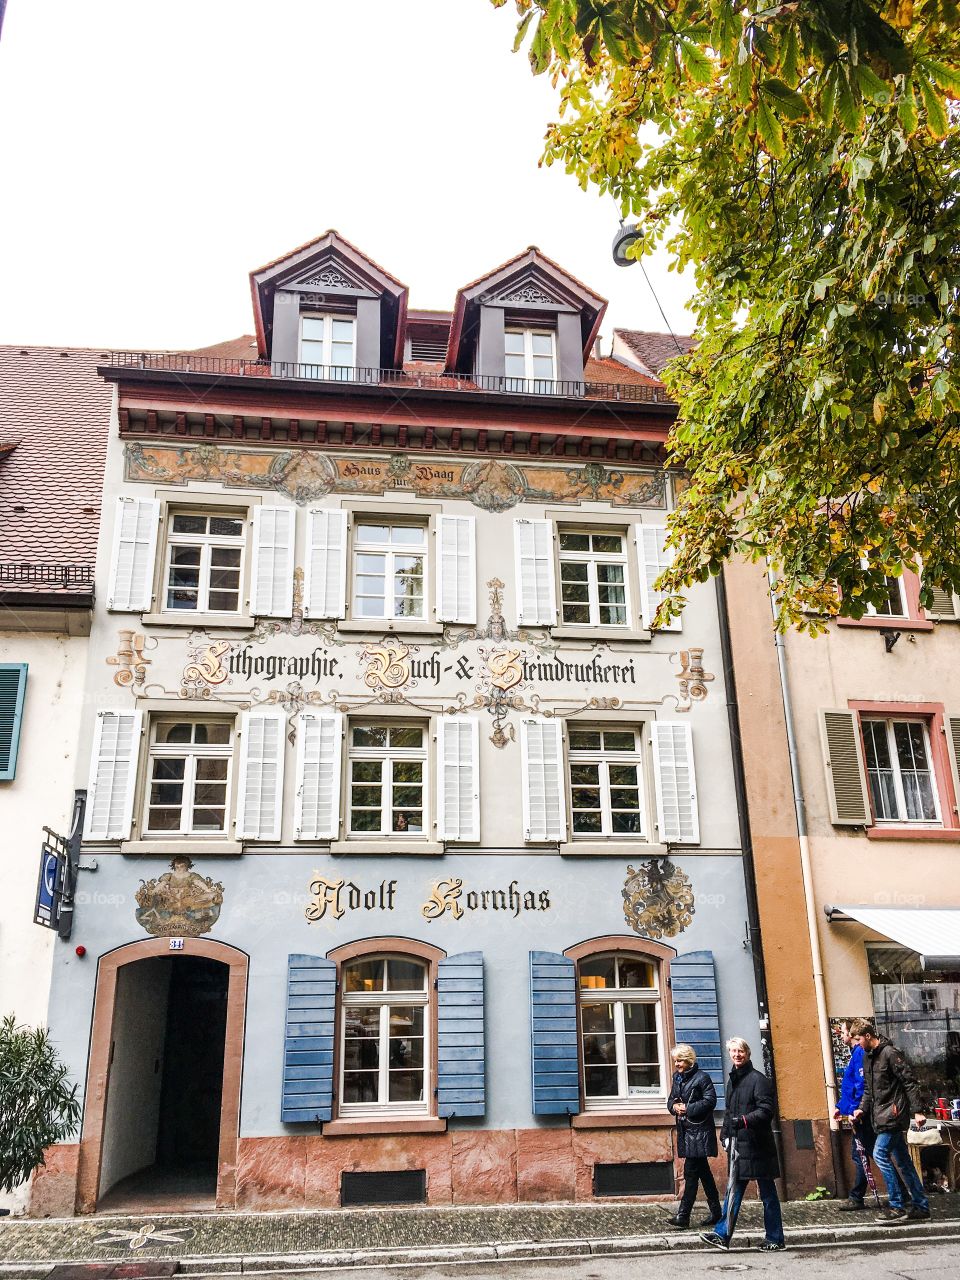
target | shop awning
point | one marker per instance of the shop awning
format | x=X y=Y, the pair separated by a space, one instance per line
x=933 y=932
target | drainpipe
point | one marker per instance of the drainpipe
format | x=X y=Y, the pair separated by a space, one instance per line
x=799 y=804
x=749 y=872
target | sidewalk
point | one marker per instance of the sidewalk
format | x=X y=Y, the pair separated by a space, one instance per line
x=218 y=1242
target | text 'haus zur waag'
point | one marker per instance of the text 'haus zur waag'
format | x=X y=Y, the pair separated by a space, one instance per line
x=418 y=847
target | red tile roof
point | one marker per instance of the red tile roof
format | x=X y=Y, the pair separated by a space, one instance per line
x=608 y=370
x=654 y=350
x=53 y=404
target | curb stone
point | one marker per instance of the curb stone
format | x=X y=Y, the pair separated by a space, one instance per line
x=687 y=1242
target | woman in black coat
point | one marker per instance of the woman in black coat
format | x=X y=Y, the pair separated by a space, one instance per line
x=692 y=1100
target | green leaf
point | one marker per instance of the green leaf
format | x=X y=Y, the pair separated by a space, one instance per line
x=828 y=96
x=769 y=129
x=948 y=78
x=933 y=105
x=849 y=110
x=907 y=112
x=871 y=86
x=522 y=30
x=791 y=104
x=790 y=58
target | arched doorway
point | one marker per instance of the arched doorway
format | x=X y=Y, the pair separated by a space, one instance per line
x=163 y=1089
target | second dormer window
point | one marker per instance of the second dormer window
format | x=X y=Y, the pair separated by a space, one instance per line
x=530 y=358
x=328 y=346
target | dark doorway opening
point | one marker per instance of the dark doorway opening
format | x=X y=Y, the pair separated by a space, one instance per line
x=162 y=1132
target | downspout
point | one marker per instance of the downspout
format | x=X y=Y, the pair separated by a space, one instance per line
x=749 y=871
x=799 y=804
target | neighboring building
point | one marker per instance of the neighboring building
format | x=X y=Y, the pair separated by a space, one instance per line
x=54 y=419
x=418 y=847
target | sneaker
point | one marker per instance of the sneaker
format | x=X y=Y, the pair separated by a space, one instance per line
x=770 y=1246
x=917 y=1214
x=711 y=1237
x=892 y=1215
x=853 y=1206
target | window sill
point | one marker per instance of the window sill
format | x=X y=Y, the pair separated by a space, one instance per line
x=392 y=626
x=612 y=849
x=199 y=621
x=951 y=835
x=170 y=846
x=621 y=1120
x=887 y=624
x=355 y=1128
x=601 y=635
x=395 y=847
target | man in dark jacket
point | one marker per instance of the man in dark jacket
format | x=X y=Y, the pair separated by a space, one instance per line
x=751 y=1149
x=692 y=1100
x=890 y=1095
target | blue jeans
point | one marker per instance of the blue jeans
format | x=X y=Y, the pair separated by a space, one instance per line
x=891 y=1147
x=772 y=1218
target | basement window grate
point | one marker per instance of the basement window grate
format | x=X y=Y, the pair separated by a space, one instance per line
x=638 y=1178
x=406 y=1186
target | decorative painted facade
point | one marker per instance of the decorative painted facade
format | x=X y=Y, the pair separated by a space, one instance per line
x=414 y=835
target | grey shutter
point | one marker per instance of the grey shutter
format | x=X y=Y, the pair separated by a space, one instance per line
x=13 y=686
x=554 y=1056
x=943 y=606
x=308 y=1040
x=130 y=588
x=951 y=726
x=843 y=761
x=460 y=1055
x=696 y=1014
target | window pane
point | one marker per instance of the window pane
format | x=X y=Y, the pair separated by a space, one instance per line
x=573 y=570
x=597 y=1018
x=343 y=331
x=641 y=1049
x=543 y=367
x=584 y=740
x=406 y=975
x=369 y=735
x=542 y=344
x=166 y=793
x=514 y=367
x=408 y=821
x=312 y=327
x=619 y=740
x=624 y=798
x=587 y=822
x=212 y=772
x=174 y=732
x=366 y=770
x=643 y=1079
x=626 y=823
x=575 y=592
x=638 y=1018
x=622 y=775
x=226 y=527
x=169 y=770
x=213 y=733
x=600 y=1082
x=224 y=558
x=360 y=1086
x=407 y=535
x=406 y=1020
x=599 y=1049
x=363 y=975
x=370 y=607
x=362 y=820
x=638 y=973
x=372 y=533
x=406 y=1086
x=366 y=797
x=406 y=736
x=599 y=972
x=164 y=819
x=405 y=796
x=189 y=524
x=574 y=542
x=407 y=771
x=406 y=1051
x=609 y=542
x=513 y=342
x=207 y=820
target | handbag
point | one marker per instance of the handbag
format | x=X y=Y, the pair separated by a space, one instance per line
x=928 y=1136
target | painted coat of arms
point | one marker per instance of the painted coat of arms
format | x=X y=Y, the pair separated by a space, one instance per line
x=179 y=904
x=657 y=899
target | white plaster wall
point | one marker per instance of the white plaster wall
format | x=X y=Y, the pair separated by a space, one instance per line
x=40 y=795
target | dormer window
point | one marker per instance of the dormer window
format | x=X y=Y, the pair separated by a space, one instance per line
x=530 y=359
x=328 y=346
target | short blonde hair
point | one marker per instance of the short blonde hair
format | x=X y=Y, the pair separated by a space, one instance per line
x=683 y=1053
x=736 y=1043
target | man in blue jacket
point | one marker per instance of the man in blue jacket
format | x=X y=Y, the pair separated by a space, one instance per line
x=851 y=1095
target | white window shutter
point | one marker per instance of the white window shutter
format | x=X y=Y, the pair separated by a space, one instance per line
x=544 y=801
x=325 y=576
x=456 y=569
x=319 y=747
x=134 y=553
x=271 y=588
x=676 y=783
x=536 y=593
x=113 y=775
x=458 y=778
x=943 y=606
x=653 y=557
x=260 y=789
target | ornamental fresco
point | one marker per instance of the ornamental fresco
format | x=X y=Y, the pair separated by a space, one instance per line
x=658 y=899
x=306 y=475
x=179 y=904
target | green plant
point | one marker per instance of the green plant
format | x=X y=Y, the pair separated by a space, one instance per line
x=818 y=1193
x=37 y=1105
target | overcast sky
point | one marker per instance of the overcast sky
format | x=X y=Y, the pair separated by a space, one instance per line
x=153 y=152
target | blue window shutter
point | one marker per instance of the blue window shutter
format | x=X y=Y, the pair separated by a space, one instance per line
x=308 y=1048
x=460 y=1055
x=13 y=686
x=554 y=1055
x=696 y=1018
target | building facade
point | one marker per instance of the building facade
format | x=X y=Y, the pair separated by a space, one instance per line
x=417 y=844
x=56 y=414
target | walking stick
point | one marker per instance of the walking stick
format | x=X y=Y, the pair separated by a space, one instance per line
x=865 y=1161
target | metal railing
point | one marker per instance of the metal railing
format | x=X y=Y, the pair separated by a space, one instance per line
x=39 y=574
x=399 y=378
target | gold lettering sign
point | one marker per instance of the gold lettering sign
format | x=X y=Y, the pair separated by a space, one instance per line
x=444 y=897
x=326 y=896
x=388 y=665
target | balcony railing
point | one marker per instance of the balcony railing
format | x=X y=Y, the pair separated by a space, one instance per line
x=36 y=574
x=398 y=378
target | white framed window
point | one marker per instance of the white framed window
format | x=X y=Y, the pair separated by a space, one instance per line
x=188 y=776
x=387 y=784
x=900 y=774
x=895 y=605
x=606 y=782
x=621 y=1032
x=593 y=578
x=384 y=1040
x=389 y=569
x=328 y=343
x=530 y=359
x=203 y=570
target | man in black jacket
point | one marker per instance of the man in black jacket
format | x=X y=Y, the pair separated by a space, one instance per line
x=751 y=1150
x=890 y=1095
